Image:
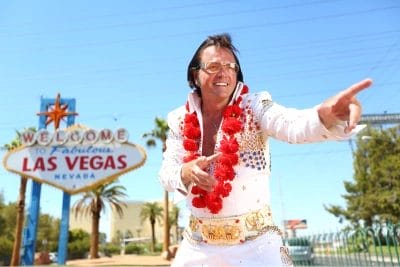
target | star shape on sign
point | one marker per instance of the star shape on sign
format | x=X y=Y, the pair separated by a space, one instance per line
x=56 y=113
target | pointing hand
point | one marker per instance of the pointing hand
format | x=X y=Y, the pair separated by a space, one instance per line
x=344 y=106
x=194 y=172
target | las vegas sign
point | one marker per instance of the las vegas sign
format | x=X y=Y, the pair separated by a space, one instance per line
x=76 y=159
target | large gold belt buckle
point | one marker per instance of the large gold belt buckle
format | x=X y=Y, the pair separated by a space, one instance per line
x=230 y=231
x=222 y=232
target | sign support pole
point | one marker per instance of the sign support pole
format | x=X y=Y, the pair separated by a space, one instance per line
x=64 y=226
x=30 y=231
x=29 y=242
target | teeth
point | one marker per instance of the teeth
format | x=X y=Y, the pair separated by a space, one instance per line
x=221 y=84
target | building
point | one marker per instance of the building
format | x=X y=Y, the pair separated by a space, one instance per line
x=129 y=226
x=80 y=222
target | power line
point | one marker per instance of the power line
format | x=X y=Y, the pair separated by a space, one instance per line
x=168 y=20
x=236 y=28
x=152 y=10
x=322 y=43
x=136 y=64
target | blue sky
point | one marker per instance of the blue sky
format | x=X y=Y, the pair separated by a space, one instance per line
x=125 y=63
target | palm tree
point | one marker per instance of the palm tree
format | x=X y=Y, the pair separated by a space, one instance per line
x=21 y=204
x=93 y=202
x=117 y=240
x=160 y=133
x=173 y=221
x=152 y=212
x=128 y=234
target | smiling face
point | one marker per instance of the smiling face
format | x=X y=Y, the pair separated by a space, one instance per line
x=217 y=86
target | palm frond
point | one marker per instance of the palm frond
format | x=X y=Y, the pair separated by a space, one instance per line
x=160 y=132
x=96 y=200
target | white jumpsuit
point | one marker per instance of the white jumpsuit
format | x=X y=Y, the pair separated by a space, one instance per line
x=250 y=187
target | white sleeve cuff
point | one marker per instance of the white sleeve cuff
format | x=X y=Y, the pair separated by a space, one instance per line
x=337 y=132
x=180 y=192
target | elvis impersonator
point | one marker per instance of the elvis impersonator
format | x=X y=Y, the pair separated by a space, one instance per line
x=217 y=156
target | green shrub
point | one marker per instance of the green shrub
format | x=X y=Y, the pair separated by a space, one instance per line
x=110 y=249
x=158 y=247
x=79 y=244
x=78 y=249
x=5 y=251
x=134 y=248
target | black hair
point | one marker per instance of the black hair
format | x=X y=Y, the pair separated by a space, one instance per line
x=223 y=40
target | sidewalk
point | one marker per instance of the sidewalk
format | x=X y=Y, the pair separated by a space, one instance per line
x=122 y=260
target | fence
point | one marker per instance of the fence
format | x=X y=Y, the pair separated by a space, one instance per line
x=369 y=246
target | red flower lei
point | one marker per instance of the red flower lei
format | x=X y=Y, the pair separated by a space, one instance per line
x=224 y=167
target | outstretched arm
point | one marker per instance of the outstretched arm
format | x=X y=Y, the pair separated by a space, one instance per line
x=344 y=107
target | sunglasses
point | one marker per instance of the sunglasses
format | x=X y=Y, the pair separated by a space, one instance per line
x=214 y=67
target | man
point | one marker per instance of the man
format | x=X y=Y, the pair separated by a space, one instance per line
x=218 y=157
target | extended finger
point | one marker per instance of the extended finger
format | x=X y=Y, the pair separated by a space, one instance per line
x=354 y=116
x=356 y=88
x=203 y=161
x=211 y=158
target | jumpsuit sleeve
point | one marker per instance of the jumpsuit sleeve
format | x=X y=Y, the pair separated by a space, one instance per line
x=170 y=171
x=294 y=125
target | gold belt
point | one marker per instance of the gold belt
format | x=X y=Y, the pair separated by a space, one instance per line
x=231 y=230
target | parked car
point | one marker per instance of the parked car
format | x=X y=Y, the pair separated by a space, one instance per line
x=300 y=250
